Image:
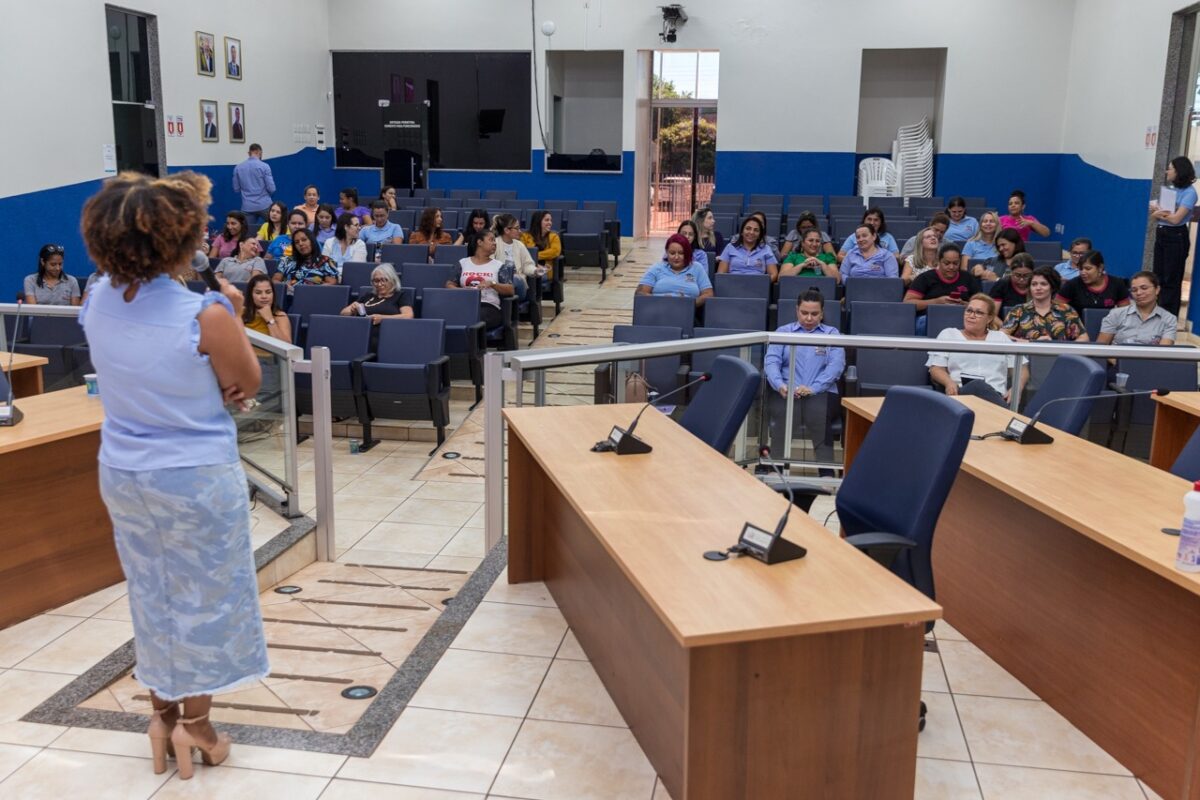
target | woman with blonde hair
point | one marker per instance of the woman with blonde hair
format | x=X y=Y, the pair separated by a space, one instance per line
x=170 y=474
x=924 y=257
x=982 y=246
x=981 y=374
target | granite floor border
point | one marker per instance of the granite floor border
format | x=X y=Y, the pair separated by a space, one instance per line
x=62 y=708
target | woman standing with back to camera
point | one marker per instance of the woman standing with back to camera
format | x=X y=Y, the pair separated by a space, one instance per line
x=169 y=468
x=1172 y=238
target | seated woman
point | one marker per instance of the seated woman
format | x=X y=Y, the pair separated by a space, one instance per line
x=348 y=202
x=226 y=242
x=1016 y=219
x=478 y=221
x=276 y=224
x=345 y=244
x=1094 y=288
x=281 y=245
x=50 y=286
x=480 y=270
x=261 y=313
x=1008 y=246
x=388 y=195
x=961 y=227
x=1043 y=318
x=923 y=258
x=768 y=237
x=806 y=222
x=312 y=201
x=429 y=230
x=305 y=265
x=939 y=222
x=810 y=259
x=245 y=264
x=813 y=372
x=874 y=218
x=326 y=224
x=712 y=241
x=982 y=246
x=981 y=374
x=947 y=284
x=541 y=235
x=677 y=274
x=867 y=259
x=748 y=254
x=1013 y=288
x=510 y=251
x=688 y=230
x=384 y=303
x=1142 y=322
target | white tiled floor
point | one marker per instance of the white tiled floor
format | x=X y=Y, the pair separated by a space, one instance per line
x=514 y=709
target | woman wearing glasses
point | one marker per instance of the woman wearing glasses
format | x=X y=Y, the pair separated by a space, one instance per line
x=345 y=244
x=384 y=303
x=981 y=374
x=50 y=286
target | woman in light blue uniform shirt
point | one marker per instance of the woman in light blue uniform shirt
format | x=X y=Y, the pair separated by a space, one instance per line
x=677 y=274
x=748 y=253
x=961 y=227
x=1172 y=241
x=168 y=361
x=873 y=217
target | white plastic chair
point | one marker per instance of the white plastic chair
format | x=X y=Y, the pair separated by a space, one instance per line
x=878 y=177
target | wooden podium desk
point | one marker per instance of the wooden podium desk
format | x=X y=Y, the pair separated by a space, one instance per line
x=1176 y=417
x=56 y=540
x=26 y=373
x=739 y=680
x=1051 y=559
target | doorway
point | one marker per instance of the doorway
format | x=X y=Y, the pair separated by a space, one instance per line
x=133 y=72
x=683 y=136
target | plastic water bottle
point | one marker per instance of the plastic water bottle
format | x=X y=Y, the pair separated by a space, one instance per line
x=1187 y=558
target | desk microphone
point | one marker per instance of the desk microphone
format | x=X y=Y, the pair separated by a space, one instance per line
x=9 y=414
x=623 y=441
x=767 y=547
x=1026 y=432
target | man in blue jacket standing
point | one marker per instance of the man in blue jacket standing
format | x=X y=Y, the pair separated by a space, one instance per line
x=252 y=179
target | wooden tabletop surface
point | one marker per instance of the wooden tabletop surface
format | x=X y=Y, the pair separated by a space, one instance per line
x=1109 y=497
x=21 y=361
x=1184 y=401
x=52 y=416
x=656 y=514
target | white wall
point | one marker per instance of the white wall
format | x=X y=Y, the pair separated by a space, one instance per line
x=591 y=87
x=55 y=63
x=899 y=87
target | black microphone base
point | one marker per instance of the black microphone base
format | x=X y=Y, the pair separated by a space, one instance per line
x=1025 y=433
x=622 y=443
x=783 y=550
x=10 y=416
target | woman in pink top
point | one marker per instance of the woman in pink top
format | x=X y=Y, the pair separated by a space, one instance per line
x=226 y=243
x=1018 y=220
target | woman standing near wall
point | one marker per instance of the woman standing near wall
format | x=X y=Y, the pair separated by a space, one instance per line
x=1172 y=239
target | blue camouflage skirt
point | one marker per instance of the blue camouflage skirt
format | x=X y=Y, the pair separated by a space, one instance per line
x=183 y=537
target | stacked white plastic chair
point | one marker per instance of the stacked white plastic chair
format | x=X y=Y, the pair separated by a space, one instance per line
x=878 y=177
x=913 y=154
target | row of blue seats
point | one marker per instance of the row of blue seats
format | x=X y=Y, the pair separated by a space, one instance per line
x=819 y=204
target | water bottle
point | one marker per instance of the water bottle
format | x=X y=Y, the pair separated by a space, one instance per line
x=1187 y=558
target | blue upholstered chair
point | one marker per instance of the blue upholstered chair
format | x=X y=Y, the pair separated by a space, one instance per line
x=677 y=312
x=748 y=313
x=721 y=405
x=349 y=341
x=1070 y=376
x=466 y=339
x=410 y=377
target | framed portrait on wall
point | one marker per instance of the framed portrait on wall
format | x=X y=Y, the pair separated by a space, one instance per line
x=206 y=59
x=209 y=130
x=233 y=58
x=237 y=123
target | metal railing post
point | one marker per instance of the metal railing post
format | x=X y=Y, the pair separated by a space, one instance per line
x=493 y=448
x=322 y=423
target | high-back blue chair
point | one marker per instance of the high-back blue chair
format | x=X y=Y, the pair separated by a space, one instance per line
x=449 y=253
x=410 y=377
x=500 y=195
x=720 y=407
x=420 y=277
x=406 y=253
x=702 y=360
x=756 y=286
x=1070 y=376
x=787 y=313
x=1093 y=318
x=612 y=224
x=892 y=495
x=940 y=317
x=466 y=339
x=584 y=240
x=678 y=312
x=1144 y=374
x=357 y=273
x=349 y=343
x=402 y=217
x=465 y=194
x=559 y=206
x=878 y=369
x=736 y=312
x=662 y=373
x=62 y=342
x=1045 y=252
x=310 y=300
x=791 y=287
x=1187 y=463
x=874 y=290
x=725 y=222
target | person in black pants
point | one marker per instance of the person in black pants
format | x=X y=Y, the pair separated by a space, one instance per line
x=1172 y=239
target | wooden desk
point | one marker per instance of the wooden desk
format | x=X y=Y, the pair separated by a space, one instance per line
x=26 y=373
x=56 y=542
x=738 y=679
x=1050 y=559
x=1176 y=417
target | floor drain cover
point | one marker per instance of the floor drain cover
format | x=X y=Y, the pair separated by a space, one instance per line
x=358 y=692
x=446 y=600
x=288 y=590
x=451 y=454
x=554 y=335
x=576 y=309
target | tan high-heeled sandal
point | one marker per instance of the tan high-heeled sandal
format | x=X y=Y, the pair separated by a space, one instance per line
x=184 y=743
x=160 y=739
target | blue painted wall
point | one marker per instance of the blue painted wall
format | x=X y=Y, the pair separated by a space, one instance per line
x=994 y=176
x=750 y=172
x=1110 y=210
x=538 y=184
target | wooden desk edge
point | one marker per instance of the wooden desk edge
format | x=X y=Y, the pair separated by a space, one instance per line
x=21 y=361
x=13 y=439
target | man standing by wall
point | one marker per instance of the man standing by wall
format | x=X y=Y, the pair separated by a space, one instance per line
x=252 y=179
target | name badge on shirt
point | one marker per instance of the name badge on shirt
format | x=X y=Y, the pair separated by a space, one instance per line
x=821 y=351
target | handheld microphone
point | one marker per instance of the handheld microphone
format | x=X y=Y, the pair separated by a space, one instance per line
x=623 y=442
x=203 y=266
x=1027 y=433
x=767 y=547
x=9 y=414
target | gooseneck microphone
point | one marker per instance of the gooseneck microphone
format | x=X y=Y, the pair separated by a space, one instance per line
x=1028 y=433
x=9 y=414
x=759 y=543
x=623 y=442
